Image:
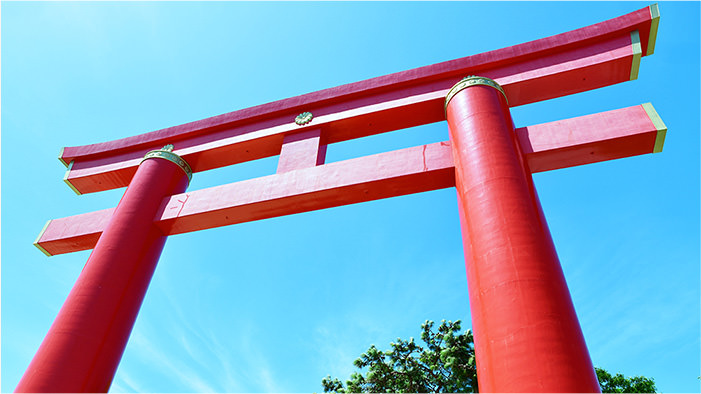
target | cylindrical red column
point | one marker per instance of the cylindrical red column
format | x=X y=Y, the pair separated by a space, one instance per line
x=83 y=347
x=527 y=336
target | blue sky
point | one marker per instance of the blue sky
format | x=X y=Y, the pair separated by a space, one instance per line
x=278 y=304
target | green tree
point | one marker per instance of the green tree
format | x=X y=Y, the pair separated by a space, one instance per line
x=621 y=384
x=445 y=364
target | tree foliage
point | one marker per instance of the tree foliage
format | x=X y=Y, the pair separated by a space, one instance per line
x=444 y=364
x=621 y=384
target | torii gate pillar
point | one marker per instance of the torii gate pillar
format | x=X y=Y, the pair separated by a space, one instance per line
x=83 y=347
x=527 y=336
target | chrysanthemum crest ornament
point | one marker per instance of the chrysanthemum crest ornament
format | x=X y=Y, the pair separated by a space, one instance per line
x=304 y=118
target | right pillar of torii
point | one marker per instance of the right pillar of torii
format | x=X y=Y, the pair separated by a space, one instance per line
x=527 y=336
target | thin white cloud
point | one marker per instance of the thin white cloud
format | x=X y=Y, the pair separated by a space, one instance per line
x=335 y=355
x=125 y=383
x=152 y=355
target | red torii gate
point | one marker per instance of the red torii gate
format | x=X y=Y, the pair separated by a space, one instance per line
x=527 y=336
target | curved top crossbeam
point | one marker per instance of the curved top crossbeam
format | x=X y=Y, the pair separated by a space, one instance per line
x=591 y=57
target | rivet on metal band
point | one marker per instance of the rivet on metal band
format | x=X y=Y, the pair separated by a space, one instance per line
x=471 y=81
x=167 y=153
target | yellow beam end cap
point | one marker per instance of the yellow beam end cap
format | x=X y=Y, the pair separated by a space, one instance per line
x=637 y=54
x=36 y=242
x=659 y=125
x=654 y=23
x=68 y=182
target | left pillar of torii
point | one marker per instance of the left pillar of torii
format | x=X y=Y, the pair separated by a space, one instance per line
x=82 y=349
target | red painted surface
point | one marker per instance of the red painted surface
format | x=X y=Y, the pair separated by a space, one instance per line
x=587 y=139
x=301 y=150
x=564 y=143
x=390 y=174
x=572 y=62
x=620 y=26
x=568 y=72
x=85 y=343
x=527 y=336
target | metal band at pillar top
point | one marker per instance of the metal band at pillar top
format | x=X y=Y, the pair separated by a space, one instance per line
x=166 y=153
x=471 y=81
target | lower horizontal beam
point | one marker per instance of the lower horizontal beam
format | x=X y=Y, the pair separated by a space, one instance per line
x=593 y=138
x=587 y=139
x=73 y=233
x=390 y=174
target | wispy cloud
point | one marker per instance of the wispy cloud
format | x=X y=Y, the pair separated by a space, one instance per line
x=153 y=355
x=335 y=354
x=124 y=382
